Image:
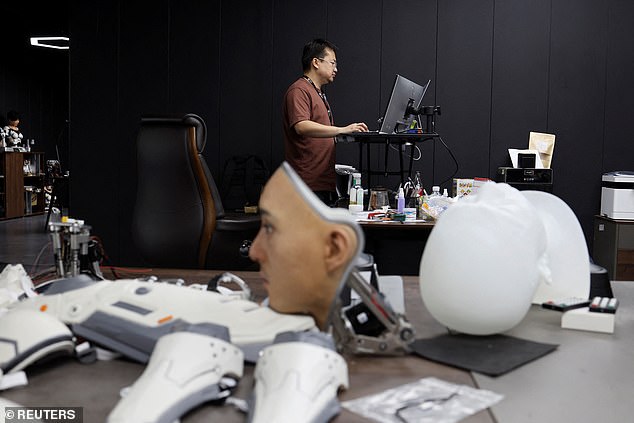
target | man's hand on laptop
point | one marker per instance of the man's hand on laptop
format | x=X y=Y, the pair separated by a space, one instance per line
x=355 y=127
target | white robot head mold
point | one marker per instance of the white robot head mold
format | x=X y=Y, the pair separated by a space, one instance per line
x=491 y=255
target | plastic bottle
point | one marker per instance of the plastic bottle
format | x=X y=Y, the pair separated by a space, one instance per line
x=418 y=185
x=352 y=196
x=400 y=201
x=356 y=194
x=360 y=195
x=421 y=207
x=437 y=203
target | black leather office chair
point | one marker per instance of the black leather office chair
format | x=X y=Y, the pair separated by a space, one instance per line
x=178 y=217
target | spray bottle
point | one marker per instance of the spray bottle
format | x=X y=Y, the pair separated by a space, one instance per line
x=400 y=201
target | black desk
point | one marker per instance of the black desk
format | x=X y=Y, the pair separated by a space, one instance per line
x=399 y=140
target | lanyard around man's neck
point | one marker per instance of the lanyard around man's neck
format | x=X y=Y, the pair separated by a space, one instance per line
x=323 y=97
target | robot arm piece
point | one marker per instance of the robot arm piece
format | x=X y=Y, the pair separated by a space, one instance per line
x=28 y=335
x=129 y=316
x=227 y=278
x=299 y=375
x=14 y=285
x=185 y=370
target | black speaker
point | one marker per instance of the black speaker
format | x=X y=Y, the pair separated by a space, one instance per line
x=526 y=178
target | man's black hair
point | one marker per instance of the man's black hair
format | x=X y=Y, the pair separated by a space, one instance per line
x=315 y=48
x=12 y=116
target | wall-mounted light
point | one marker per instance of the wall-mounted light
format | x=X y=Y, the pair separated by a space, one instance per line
x=59 y=43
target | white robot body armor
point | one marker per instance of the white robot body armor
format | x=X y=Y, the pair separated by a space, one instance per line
x=20 y=346
x=130 y=315
x=305 y=370
x=186 y=369
x=298 y=373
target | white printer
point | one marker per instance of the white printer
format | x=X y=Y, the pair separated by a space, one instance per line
x=617 y=195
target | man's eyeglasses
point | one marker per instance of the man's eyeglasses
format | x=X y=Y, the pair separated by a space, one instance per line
x=333 y=63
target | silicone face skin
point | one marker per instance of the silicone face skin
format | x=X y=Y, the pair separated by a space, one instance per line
x=304 y=248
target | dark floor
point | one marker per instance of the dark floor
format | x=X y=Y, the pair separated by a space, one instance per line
x=24 y=241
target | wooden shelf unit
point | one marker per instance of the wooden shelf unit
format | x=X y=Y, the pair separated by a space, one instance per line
x=21 y=172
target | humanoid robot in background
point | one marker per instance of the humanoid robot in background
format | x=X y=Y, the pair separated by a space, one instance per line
x=12 y=135
x=195 y=341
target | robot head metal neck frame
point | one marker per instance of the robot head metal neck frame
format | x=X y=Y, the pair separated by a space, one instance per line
x=370 y=326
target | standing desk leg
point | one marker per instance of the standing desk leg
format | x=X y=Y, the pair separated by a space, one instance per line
x=400 y=161
x=387 y=146
x=411 y=158
x=360 y=157
x=369 y=165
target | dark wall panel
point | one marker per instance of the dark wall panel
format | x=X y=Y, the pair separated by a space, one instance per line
x=94 y=158
x=355 y=91
x=465 y=38
x=355 y=27
x=499 y=69
x=245 y=79
x=576 y=103
x=408 y=48
x=144 y=65
x=619 y=90
x=292 y=28
x=520 y=76
x=194 y=68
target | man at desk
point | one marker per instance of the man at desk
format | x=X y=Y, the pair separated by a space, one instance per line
x=308 y=123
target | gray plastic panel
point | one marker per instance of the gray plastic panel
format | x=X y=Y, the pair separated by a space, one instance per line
x=134 y=340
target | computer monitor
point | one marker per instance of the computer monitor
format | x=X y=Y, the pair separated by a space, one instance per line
x=405 y=93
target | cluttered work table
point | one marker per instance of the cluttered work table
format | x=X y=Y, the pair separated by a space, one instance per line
x=587 y=378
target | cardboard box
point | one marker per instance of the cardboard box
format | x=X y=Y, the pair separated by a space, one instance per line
x=466 y=186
